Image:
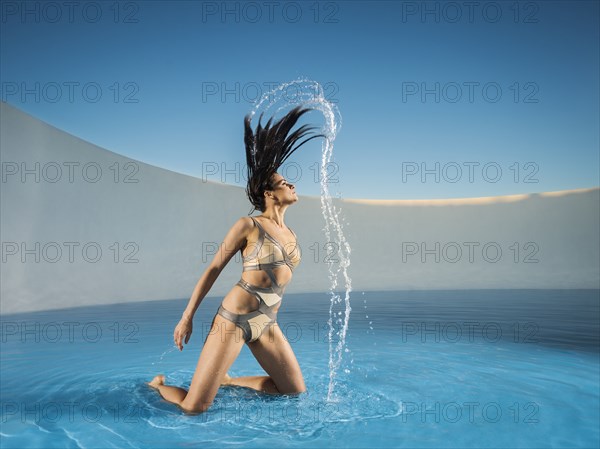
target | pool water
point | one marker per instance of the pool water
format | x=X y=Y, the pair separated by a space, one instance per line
x=476 y=368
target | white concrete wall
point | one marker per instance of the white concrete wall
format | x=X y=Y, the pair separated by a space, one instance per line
x=172 y=221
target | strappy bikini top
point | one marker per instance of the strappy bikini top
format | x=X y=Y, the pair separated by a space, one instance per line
x=268 y=253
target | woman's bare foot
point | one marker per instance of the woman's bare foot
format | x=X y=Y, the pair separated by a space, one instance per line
x=158 y=380
x=226 y=379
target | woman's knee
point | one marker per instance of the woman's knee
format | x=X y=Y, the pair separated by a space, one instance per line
x=298 y=390
x=195 y=409
x=296 y=387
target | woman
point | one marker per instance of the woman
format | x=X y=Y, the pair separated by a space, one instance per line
x=248 y=312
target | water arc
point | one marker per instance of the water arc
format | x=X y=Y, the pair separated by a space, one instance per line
x=310 y=93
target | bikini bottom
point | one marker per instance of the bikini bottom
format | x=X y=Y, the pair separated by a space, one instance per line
x=254 y=323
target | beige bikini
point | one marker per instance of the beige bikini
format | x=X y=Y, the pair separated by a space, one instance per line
x=266 y=256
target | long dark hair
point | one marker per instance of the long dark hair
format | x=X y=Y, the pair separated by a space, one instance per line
x=268 y=148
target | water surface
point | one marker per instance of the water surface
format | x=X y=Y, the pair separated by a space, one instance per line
x=478 y=368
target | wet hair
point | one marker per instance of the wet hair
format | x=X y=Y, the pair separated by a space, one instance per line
x=268 y=148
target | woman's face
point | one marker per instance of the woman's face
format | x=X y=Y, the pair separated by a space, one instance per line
x=284 y=191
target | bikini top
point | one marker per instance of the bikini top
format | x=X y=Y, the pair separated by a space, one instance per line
x=268 y=253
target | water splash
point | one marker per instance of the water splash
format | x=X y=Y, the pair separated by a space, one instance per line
x=310 y=93
x=171 y=349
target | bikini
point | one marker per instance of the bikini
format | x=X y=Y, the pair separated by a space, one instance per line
x=266 y=256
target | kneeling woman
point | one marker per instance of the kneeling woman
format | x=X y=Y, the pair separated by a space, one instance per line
x=248 y=313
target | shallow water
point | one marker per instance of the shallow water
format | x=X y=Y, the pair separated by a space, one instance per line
x=479 y=368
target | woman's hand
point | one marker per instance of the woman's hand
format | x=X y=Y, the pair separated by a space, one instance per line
x=183 y=330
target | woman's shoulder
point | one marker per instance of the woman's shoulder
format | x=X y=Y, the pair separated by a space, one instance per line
x=245 y=223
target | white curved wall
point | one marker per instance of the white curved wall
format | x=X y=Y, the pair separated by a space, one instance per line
x=171 y=222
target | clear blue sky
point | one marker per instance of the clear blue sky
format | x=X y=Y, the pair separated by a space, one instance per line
x=370 y=56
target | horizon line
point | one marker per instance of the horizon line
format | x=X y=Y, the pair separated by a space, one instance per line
x=371 y=202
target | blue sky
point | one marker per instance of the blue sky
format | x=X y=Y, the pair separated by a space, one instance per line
x=526 y=118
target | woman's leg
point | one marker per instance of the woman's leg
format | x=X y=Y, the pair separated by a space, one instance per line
x=221 y=347
x=274 y=353
x=259 y=383
x=171 y=394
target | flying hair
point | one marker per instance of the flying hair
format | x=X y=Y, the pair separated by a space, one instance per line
x=268 y=148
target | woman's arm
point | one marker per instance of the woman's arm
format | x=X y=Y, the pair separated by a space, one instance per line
x=233 y=242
